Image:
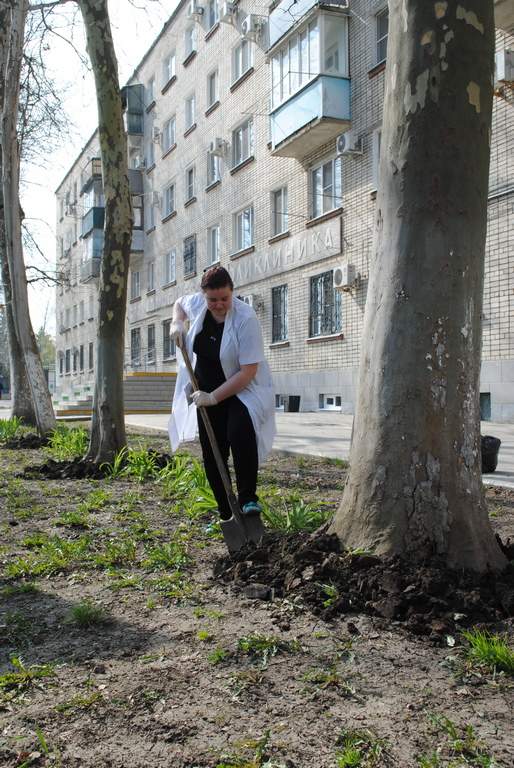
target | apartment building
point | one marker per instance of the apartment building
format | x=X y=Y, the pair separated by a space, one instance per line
x=254 y=137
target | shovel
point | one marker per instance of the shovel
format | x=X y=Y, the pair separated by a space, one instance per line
x=239 y=529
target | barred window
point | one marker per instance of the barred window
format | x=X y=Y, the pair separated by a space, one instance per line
x=150 y=349
x=135 y=346
x=168 y=345
x=382 y=31
x=325 y=306
x=279 y=323
x=190 y=256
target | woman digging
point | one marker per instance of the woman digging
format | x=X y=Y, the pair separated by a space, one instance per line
x=225 y=344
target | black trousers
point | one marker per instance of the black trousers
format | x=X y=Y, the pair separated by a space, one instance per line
x=234 y=432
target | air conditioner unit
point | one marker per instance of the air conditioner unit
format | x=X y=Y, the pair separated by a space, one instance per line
x=504 y=67
x=71 y=209
x=344 y=277
x=139 y=163
x=194 y=11
x=218 y=147
x=253 y=301
x=156 y=134
x=348 y=144
x=251 y=27
x=156 y=198
x=228 y=13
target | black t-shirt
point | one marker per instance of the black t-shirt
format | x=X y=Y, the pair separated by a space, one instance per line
x=208 y=370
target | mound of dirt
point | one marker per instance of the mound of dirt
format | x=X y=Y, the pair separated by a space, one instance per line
x=31 y=440
x=80 y=469
x=428 y=599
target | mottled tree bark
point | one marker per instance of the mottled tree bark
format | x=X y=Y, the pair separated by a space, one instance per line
x=415 y=485
x=108 y=424
x=40 y=410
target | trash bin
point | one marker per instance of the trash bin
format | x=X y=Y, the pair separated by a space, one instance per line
x=490 y=447
x=292 y=403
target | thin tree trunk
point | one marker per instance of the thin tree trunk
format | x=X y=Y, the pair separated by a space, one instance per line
x=20 y=390
x=41 y=400
x=415 y=485
x=108 y=423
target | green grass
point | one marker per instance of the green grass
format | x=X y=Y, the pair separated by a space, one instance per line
x=24 y=677
x=360 y=749
x=263 y=647
x=10 y=428
x=217 y=656
x=184 y=480
x=170 y=555
x=87 y=614
x=25 y=588
x=121 y=551
x=205 y=636
x=79 y=703
x=115 y=469
x=53 y=555
x=291 y=513
x=489 y=650
x=74 y=518
x=173 y=586
x=18 y=628
x=460 y=748
x=67 y=443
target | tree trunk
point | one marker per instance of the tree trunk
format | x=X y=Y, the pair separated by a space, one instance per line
x=415 y=485
x=20 y=390
x=108 y=423
x=13 y=16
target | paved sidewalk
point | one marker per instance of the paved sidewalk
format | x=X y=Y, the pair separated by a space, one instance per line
x=329 y=433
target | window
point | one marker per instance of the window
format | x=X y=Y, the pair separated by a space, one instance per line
x=243 y=228
x=91 y=361
x=168 y=134
x=212 y=88
x=242 y=142
x=190 y=111
x=168 y=68
x=150 y=349
x=190 y=183
x=213 y=168
x=212 y=13
x=279 y=329
x=91 y=312
x=382 y=30
x=67 y=359
x=279 y=211
x=213 y=243
x=329 y=402
x=135 y=346
x=296 y=62
x=241 y=59
x=170 y=267
x=325 y=306
x=137 y=212
x=61 y=363
x=150 y=92
x=168 y=201
x=75 y=360
x=190 y=256
x=135 y=285
x=326 y=187
x=67 y=317
x=81 y=357
x=190 y=40
x=75 y=314
x=168 y=345
x=150 y=154
x=81 y=312
x=150 y=276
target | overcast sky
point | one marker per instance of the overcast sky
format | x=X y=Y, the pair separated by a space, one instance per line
x=135 y=25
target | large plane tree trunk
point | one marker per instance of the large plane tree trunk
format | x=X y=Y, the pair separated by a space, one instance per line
x=11 y=50
x=108 y=424
x=415 y=485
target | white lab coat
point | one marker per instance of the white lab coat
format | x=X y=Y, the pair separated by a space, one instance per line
x=241 y=344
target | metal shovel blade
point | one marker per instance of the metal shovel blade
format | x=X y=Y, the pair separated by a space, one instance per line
x=253 y=527
x=235 y=537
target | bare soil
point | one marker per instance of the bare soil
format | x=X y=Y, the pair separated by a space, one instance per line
x=166 y=678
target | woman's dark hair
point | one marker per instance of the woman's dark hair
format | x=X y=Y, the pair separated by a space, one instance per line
x=216 y=277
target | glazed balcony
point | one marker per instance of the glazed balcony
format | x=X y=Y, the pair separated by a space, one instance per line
x=90 y=269
x=313 y=116
x=91 y=172
x=93 y=219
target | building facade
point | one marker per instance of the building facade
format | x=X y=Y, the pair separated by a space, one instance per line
x=254 y=138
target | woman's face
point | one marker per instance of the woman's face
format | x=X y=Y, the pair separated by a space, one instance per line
x=219 y=301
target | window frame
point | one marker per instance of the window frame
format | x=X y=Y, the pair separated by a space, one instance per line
x=214 y=73
x=169 y=351
x=169 y=134
x=135 y=349
x=135 y=284
x=213 y=14
x=323 y=323
x=239 y=242
x=190 y=40
x=246 y=125
x=170 y=273
x=213 y=168
x=190 y=240
x=279 y=315
x=169 y=199
x=189 y=111
x=379 y=40
x=166 y=68
x=151 y=348
x=213 y=254
x=336 y=186
x=150 y=276
x=275 y=215
x=238 y=69
x=190 y=183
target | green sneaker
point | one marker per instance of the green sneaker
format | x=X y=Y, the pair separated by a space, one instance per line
x=251 y=508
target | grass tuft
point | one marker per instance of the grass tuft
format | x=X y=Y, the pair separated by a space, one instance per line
x=67 y=443
x=490 y=650
x=10 y=428
x=24 y=677
x=88 y=614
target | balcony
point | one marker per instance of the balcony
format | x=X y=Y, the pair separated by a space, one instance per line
x=282 y=18
x=92 y=171
x=313 y=116
x=138 y=241
x=90 y=269
x=504 y=15
x=135 y=181
x=94 y=219
x=133 y=97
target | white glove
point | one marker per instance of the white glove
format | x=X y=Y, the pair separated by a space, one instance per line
x=203 y=399
x=177 y=332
